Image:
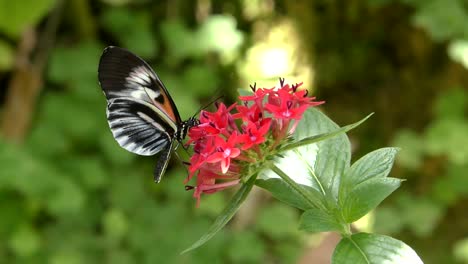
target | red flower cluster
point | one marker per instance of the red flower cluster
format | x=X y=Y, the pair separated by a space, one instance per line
x=223 y=149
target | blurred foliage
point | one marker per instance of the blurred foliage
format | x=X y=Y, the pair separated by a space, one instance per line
x=69 y=194
x=122 y=23
x=6 y=56
x=17 y=15
x=438 y=147
x=71 y=182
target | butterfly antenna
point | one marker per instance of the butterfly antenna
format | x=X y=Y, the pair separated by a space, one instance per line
x=208 y=104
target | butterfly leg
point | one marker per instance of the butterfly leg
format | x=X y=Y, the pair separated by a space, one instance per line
x=162 y=163
x=185 y=163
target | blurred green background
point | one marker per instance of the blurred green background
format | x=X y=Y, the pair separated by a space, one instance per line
x=69 y=194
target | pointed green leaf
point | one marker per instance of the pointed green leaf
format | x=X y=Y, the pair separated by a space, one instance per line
x=366 y=196
x=323 y=136
x=226 y=215
x=376 y=164
x=316 y=220
x=365 y=248
x=318 y=165
x=283 y=192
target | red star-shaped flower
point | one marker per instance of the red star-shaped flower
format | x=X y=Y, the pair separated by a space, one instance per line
x=226 y=150
x=254 y=135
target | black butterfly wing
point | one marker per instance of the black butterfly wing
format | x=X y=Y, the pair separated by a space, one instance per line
x=140 y=112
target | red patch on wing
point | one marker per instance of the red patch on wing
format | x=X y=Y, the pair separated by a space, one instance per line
x=166 y=107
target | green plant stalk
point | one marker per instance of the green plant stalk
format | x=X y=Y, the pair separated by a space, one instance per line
x=346 y=230
x=345 y=227
x=296 y=187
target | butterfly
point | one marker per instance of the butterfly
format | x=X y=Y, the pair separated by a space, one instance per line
x=141 y=114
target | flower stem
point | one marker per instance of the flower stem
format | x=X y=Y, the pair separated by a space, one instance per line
x=346 y=230
x=296 y=187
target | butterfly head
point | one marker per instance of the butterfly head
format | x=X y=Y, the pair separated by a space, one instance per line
x=185 y=126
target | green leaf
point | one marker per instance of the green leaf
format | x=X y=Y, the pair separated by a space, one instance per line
x=296 y=188
x=366 y=196
x=319 y=165
x=376 y=164
x=15 y=16
x=325 y=160
x=316 y=220
x=364 y=185
x=226 y=215
x=283 y=192
x=371 y=248
x=320 y=137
